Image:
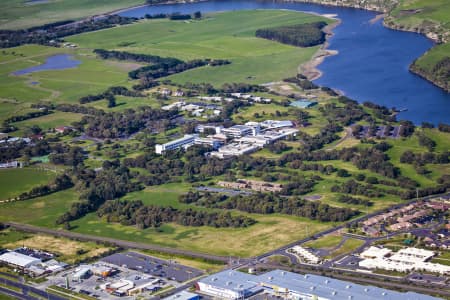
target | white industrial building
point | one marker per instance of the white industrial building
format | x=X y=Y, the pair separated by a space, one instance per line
x=235 y=149
x=374 y=252
x=305 y=254
x=288 y=285
x=184 y=142
x=229 y=285
x=19 y=260
x=238 y=131
x=183 y=295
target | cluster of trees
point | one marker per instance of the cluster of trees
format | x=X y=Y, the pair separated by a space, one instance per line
x=11 y=151
x=123 y=124
x=61 y=182
x=354 y=188
x=302 y=82
x=409 y=157
x=109 y=95
x=27 y=116
x=353 y=200
x=350 y=113
x=444 y=127
x=302 y=35
x=381 y=112
x=49 y=33
x=66 y=155
x=144 y=216
x=269 y=204
x=278 y=147
x=156 y=71
x=159 y=66
x=167 y=168
x=113 y=181
x=426 y=141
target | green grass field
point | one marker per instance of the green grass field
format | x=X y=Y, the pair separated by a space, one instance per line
x=17 y=93
x=229 y=35
x=13 y=182
x=17 y=14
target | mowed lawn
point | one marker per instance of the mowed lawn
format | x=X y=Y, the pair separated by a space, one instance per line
x=17 y=14
x=229 y=35
x=13 y=182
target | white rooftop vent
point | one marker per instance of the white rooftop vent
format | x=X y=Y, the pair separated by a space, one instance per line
x=350 y=297
x=270 y=277
x=228 y=283
x=214 y=279
x=283 y=273
x=383 y=293
x=366 y=290
x=348 y=286
x=334 y=293
x=327 y=281
x=240 y=286
x=306 y=275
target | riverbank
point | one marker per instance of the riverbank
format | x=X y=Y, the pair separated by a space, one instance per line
x=309 y=69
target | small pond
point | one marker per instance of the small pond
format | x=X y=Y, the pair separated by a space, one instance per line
x=55 y=62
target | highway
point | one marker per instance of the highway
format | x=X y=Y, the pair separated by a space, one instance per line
x=25 y=290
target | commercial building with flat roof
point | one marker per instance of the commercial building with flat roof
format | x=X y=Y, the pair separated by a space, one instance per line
x=229 y=285
x=186 y=141
x=238 y=131
x=296 y=286
x=183 y=295
x=19 y=260
x=288 y=285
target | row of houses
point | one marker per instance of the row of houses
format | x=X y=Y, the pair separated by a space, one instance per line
x=260 y=186
x=306 y=255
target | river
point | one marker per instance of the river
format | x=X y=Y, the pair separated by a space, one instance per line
x=372 y=64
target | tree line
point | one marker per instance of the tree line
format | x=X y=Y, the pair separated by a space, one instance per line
x=109 y=94
x=61 y=182
x=301 y=35
x=159 y=66
x=51 y=33
x=263 y=203
x=145 y=216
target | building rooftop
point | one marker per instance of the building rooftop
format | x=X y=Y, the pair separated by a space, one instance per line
x=330 y=288
x=183 y=295
x=232 y=280
x=18 y=259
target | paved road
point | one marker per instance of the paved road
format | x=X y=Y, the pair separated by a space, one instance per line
x=27 y=288
x=120 y=243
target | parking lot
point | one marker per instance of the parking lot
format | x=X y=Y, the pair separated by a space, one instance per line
x=153 y=266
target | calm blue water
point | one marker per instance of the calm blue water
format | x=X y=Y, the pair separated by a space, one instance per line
x=372 y=64
x=55 y=62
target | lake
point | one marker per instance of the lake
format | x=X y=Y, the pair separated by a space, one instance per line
x=55 y=62
x=372 y=64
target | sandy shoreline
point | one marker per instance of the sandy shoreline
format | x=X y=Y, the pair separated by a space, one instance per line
x=309 y=69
